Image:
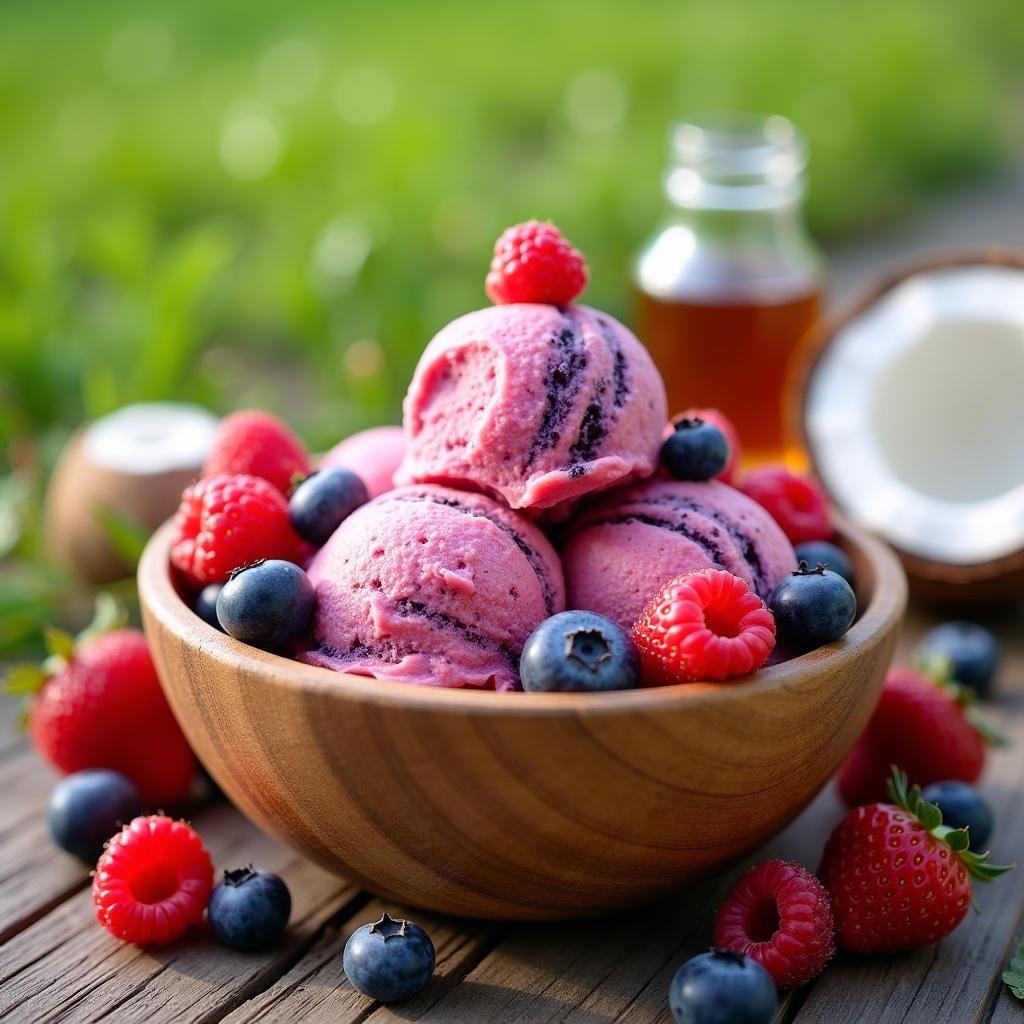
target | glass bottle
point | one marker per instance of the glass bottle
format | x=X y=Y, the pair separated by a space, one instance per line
x=732 y=282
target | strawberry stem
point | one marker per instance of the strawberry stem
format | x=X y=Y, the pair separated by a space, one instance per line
x=908 y=798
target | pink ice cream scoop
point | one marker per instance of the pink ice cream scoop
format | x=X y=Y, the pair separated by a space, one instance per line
x=535 y=404
x=431 y=585
x=624 y=548
x=372 y=454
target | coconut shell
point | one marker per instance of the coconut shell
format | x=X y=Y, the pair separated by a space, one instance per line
x=82 y=488
x=999 y=579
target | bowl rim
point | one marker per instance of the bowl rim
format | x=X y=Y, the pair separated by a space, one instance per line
x=160 y=599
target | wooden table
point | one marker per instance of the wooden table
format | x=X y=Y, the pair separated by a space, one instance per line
x=56 y=963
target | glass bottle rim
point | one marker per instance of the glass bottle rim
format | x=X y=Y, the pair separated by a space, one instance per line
x=736 y=161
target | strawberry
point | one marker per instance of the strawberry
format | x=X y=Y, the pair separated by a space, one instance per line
x=926 y=726
x=258 y=444
x=97 y=703
x=899 y=879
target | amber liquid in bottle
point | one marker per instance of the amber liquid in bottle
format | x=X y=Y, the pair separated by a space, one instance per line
x=730 y=354
x=730 y=284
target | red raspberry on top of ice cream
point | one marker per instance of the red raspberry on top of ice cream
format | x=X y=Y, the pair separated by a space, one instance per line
x=533 y=262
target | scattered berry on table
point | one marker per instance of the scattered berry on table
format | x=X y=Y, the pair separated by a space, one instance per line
x=258 y=444
x=266 y=604
x=249 y=909
x=533 y=262
x=389 y=960
x=85 y=809
x=152 y=882
x=778 y=914
x=966 y=651
x=718 y=419
x=922 y=726
x=225 y=522
x=206 y=605
x=695 y=450
x=704 y=625
x=962 y=806
x=796 y=502
x=899 y=879
x=812 y=607
x=579 y=650
x=320 y=504
x=722 y=987
x=822 y=552
x=99 y=705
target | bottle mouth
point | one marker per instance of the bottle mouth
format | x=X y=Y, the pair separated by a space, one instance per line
x=737 y=161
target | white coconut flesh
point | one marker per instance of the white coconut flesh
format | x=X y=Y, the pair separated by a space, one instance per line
x=915 y=415
x=151 y=439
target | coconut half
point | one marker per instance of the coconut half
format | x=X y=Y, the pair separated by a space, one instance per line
x=913 y=415
x=128 y=468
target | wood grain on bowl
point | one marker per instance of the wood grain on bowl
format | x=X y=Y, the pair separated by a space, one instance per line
x=519 y=806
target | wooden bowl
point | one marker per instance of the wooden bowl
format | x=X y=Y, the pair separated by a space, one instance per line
x=519 y=806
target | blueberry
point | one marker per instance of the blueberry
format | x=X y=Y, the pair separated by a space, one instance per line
x=266 y=604
x=722 y=988
x=962 y=807
x=579 y=651
x=249 y=909
x=812 y=607
x=971 y=650
x=815 y=552
x=320 y=504
x=206 y=605
x=695 y=450
x=389 y=960
x=87 y=808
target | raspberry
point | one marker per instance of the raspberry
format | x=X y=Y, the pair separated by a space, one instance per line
x=258 y=444
x=703 y=625
x=796 y=502
x=778 y=914
x=533 y=262
x=225 y=522
x=152 y=882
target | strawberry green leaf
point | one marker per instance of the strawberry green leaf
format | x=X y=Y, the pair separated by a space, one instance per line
x=989 y=733
x=979 y=868
x=59 y=644
x=957 y=839
x=109 y=615
x=24 y=680
x=937 y=667
x=928 y=814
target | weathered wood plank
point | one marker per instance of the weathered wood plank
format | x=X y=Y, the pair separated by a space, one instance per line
x=65 y=965
x=35 y=875
x=316 y=990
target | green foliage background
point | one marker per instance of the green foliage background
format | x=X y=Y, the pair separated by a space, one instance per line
x=256 y=203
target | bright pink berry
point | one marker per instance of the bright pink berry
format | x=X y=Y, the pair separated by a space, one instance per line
x=778 y=914
x=225 y=522
x=258 y=444
x=795 y=501
x=533 y=262
x=704 y=625
x=152 y=882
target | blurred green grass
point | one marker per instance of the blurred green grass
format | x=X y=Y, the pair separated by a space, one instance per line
x=277 y=205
